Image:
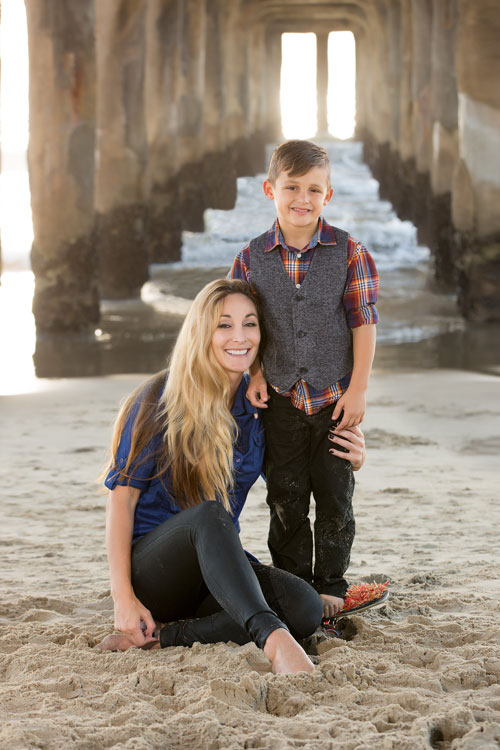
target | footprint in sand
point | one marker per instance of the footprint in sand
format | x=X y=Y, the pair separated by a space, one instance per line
x=383 y=439
x=41 y=615
x=489 y=446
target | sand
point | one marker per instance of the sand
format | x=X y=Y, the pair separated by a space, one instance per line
x=422 y=672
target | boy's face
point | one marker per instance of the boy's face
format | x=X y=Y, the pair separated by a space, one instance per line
x=299 y=200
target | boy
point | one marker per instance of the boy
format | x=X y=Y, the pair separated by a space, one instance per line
x=319 y=287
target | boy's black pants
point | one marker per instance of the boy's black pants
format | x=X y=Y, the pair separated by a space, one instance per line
x=298 y=462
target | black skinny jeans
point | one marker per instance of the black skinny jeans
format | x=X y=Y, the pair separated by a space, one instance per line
x=193 y=568
x=298 y=462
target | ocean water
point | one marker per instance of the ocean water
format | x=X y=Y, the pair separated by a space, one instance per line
x=419 y=327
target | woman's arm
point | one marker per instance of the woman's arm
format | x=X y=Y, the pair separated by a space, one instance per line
x=129 y=612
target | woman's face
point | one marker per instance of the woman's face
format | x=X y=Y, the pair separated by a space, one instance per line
x=236 y=339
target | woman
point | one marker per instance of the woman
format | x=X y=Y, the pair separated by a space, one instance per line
x=181 y=442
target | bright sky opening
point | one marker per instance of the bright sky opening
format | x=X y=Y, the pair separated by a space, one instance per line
x=298 y=85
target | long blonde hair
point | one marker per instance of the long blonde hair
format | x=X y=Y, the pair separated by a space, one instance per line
x=192 y=412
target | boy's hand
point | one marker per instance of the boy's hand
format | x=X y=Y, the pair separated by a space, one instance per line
x=354 y=405
x=331 y=605
x=257 y=391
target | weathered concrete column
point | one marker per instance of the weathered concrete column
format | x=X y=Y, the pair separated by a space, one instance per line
x=322 y=82
x=190 y=148
x=476 y=180
x=219 y=175
x=236 y=89
x=274 y=128
x=443 y=108
x=375 y=71
x=161 y=87
x=255 y=106
x=421 y=114
x=122 y=147
x=61 y=164
x=403 y=195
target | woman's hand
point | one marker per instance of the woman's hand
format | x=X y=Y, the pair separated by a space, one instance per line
x=353 y=440
x=129 y=615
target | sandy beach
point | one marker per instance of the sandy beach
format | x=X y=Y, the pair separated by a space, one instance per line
x=422 y=672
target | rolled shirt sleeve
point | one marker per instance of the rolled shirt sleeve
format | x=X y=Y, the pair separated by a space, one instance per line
x=142 y=469
x=241 y=266
x=361 y=290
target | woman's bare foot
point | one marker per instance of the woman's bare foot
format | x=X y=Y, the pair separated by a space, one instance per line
x=285 y=654
x=121 y=642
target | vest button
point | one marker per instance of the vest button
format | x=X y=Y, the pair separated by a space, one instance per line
x=299 y=298
x=301 y=334
x=303 y=369
x=297 y=286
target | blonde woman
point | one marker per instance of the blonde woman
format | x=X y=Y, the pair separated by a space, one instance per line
x=187 y=448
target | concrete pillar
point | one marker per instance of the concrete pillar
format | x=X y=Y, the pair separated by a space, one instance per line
x=122 y=148
x=189 y=146
x=61 y=164
x=161 y=90
x=219 y=174
x=272 y=79
x=444 y=100
x=443 y=106
x=255 y=105
x=394 y=68
x=322 y=82
x=236 y=88
x=405 y=143
x=362 y=120
x=476 y=180
x=421 y=82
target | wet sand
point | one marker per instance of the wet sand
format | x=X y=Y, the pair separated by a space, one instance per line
x=419 y=328
x=424 y=671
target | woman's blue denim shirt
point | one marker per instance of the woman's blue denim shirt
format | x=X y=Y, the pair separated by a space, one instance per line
x=156 y=502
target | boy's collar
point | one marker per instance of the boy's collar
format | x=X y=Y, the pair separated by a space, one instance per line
x=324 y=235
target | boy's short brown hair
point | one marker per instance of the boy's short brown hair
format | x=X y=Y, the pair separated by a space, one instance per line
x=296 y=158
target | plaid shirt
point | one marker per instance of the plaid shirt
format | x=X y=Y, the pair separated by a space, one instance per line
x=359 y=298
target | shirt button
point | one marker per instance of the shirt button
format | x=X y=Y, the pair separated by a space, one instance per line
x=299 y=255
x=237 y=460
x=297 y=286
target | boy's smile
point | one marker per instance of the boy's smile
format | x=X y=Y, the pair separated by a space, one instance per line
x=299 y=201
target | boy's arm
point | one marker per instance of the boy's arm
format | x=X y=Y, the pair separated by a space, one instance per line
x=360 y=297
x=353 y=402
x=257 y=387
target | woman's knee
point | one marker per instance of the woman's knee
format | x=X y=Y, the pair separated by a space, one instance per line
x=210 y=514
x=307 y=613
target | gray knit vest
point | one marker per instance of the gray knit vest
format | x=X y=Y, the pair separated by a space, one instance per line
x=307 y=332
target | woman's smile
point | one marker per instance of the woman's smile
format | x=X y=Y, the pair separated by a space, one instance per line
x=237 y=352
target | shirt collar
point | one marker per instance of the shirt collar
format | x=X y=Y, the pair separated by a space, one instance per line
x=241 y=404
x=324 y=235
